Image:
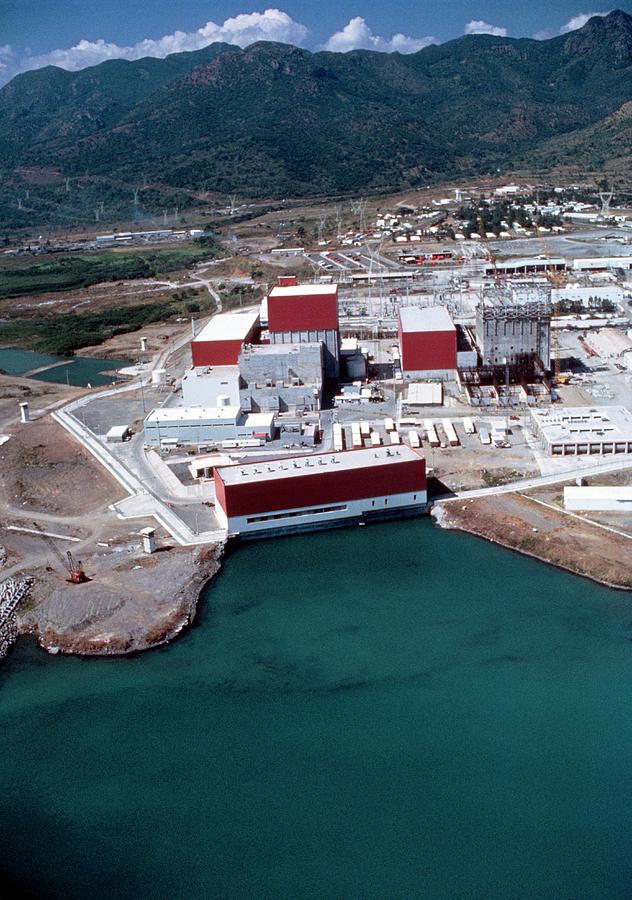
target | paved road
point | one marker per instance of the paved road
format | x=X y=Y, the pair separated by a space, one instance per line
x=621 y=462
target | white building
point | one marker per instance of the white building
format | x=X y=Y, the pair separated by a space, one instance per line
x=584 y=430
x=202 y=385
x=599 y=498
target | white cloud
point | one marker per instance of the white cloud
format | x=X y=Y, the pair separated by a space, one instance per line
x=580 y=20
x=6 y=55
x=244 y=29
x=356 y=35
x=477 y=26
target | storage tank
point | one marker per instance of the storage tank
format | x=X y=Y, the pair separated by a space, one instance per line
x=159 y=376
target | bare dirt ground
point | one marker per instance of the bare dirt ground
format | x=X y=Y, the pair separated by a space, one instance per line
x=620 y=521
x=39 y=394
x=90 y=299
x=133 y=602
x=520 y=523
x=42 y=468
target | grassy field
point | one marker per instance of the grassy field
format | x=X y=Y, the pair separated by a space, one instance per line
x=20 y=277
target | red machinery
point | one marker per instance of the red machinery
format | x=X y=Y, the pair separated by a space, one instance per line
x=76 y=575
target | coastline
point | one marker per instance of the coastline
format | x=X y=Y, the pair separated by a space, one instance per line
x=147 y=609
x=493 y=520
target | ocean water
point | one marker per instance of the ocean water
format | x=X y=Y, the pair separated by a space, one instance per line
x=383 y=712
x=77 y=370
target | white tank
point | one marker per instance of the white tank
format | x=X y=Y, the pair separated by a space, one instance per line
x=158 y=376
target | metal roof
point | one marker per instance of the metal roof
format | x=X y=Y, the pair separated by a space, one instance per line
x=304 y=290
x=228 y=327
x=319 y=463
x=199 y=414
x=426 y=318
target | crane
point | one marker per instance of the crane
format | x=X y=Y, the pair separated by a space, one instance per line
x=76 y=575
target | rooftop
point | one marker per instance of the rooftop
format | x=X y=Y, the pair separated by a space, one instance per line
x=199 y=414
x=427 y=318
x=305 y=290
x=228 y=327
x=585 y=423
x=298 y=466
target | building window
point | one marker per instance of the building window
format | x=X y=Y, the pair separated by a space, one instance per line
x=313 y=511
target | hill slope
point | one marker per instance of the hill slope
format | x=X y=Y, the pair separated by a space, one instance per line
x=277 y=120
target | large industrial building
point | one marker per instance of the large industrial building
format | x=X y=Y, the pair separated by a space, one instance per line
x=427 y=339
x=220 y=342
x=323 y=490
x=281 y=378
x=306 y=313
x=205 y=425
x=584 y=430
x=513 y=325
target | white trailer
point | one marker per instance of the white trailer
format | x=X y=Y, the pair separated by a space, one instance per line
x=484 y=435
x=365 y=429
x=469 y=426
x=431 y=433
x=394 y=437
x=413 y=438
x=376 y=440
x=338 y=435
x=450 y=433
x=389 y=425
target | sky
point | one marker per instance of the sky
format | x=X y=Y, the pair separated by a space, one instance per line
x=74 y=34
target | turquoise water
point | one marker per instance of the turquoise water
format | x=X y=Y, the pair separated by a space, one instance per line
x=78 y=370
x=382 y=712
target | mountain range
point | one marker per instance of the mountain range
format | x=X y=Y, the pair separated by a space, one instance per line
x=273 y=120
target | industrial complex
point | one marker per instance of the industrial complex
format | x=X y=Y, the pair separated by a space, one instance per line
x=360 y=365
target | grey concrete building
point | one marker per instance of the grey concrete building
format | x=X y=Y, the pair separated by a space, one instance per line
x=513 y=324
x=281 y=377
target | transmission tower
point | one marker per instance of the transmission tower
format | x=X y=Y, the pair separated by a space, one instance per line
x=233 y=203
x=606 y=199
x=322 y=221
x=67 y=185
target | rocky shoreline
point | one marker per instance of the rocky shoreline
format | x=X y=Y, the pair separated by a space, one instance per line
x=514 y=522
x=137 y=609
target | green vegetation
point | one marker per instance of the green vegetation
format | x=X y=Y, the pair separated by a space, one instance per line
x=277 y=121
x=63 y=335
x=71 y=271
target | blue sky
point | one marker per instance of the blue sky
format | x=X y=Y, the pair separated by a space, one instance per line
x=77 y=33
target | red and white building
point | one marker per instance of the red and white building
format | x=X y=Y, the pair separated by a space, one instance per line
x=220 y=342
x=305 y=313
x=322 y=490
x=427 y=340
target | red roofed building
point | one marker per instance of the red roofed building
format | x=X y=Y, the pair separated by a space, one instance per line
x=304 y=313
x=220 y=342
x=320 y=491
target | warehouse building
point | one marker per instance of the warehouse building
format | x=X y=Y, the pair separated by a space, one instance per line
x=220 y=342
x=210 y=386
x=281 y=377
x=306 y=313
x=584 y=430
x=427 y=339
x=320 y=491
x=205 y=425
